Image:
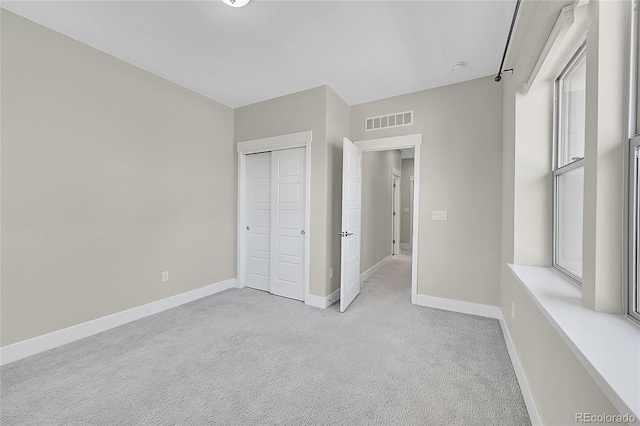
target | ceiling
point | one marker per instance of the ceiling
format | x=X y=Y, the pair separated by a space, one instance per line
x=364 y=50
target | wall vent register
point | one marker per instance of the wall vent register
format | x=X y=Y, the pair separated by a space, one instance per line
x=387 y=121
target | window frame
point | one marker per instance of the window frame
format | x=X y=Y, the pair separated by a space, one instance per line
x=633 y=307
x=557 y=171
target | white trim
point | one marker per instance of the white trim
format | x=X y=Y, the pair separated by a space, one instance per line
x=558 y=33
x=52 y=340
x=396 y=172
x=479 y=309
x=399 y=142
x=307 y=219
x=322 y=302
x=366 y=274
x=274 y=143
x=405 y=246
x=395 y=211
x=292 y=140
x=530 y=403
x=393 y=142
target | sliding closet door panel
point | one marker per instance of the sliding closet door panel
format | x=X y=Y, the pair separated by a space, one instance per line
x=288 y=213
x=258 y=220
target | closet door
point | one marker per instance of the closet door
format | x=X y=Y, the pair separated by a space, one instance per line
x=258 y=220
x=287 y=221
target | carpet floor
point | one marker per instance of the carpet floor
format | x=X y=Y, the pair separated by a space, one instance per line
x=244 y=357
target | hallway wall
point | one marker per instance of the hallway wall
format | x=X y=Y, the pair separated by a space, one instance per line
x=377 y=203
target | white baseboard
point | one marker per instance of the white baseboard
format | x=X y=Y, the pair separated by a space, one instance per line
x=52 y=340
x=366 y=274
x=322 y=302
x=521 y=376
x=405 y=246
x=479 y=309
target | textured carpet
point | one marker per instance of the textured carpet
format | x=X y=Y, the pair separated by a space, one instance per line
x=244 y=357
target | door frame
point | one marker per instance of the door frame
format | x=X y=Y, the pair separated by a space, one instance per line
x=400 y=142
x=395 y=211
x=275 y=143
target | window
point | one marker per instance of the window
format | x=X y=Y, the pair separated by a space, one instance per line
x=568 y=167
x=633 y=307
x=634 y=228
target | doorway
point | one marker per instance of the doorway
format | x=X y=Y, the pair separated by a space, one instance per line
x=352 y=211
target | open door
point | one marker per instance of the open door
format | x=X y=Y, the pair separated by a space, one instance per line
x=395 y=214
x=351 y=205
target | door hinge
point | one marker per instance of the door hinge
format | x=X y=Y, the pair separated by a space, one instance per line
x=394 y=213
x=394 y=241
x=394 y=185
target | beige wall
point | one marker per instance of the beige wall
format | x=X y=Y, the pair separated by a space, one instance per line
x=461 y=172
x=377 y=202
x=338 y=127
x=110 y=175
x=290 y=114
x=559 y=383
x=406 y=201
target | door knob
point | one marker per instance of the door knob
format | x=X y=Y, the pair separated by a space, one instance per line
x=302 y=232
x=247 y=228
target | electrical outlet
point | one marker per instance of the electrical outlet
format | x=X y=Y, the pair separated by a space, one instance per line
x=439 y=215
x=330 y=273
x=513 y=310
x=165 y=276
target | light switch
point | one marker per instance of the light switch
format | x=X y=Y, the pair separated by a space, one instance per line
x=406 y=209
x=439 y=215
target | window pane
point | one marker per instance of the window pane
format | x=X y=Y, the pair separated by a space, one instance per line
x=636 y=243
x=572 y=114
x=569 y=202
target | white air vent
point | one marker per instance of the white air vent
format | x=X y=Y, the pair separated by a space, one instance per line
x=386 y=121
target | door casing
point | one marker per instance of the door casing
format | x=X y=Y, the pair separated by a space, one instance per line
x=400 y=142
x=395 y=211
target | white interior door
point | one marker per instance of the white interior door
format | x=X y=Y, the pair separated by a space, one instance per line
x=395 y=215
x=351 y=207
x=258 y=220
x=287 y=222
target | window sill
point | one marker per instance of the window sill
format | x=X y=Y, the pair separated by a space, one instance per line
x=607 y=345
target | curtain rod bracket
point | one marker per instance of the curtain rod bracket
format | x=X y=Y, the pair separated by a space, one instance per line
x=499 y=76
x=506 y=47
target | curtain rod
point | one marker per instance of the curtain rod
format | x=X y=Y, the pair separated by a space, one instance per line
x=506 y=47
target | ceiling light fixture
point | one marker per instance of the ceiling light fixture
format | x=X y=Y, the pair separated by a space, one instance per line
x=457 y=66
x=236 y=3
